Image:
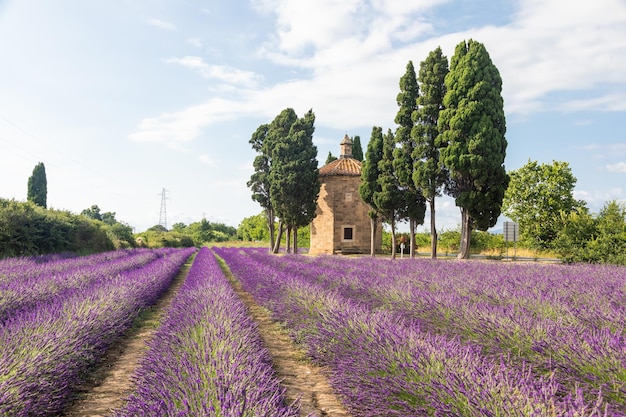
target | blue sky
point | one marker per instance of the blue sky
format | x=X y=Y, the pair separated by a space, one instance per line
x=120 y=99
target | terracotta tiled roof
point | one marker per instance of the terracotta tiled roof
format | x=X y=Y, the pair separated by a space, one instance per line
x=342 y=166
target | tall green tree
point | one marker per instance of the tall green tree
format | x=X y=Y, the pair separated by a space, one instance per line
x=38 y=186
x=357 y=148
x=330 y=158
x=265 y=141
x=537 y=197
x=389 y=199
x=259 y=182
x=369 y=180
x=429 y=175
x=294 y=177
x=403 y=160
x=473 y=144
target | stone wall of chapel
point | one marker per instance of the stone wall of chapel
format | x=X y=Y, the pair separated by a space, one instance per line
x=340 y=206
x=322 y=225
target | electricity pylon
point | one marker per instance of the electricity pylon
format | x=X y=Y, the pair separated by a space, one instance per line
x=163 y=214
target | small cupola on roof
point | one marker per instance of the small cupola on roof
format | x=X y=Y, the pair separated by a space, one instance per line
x=346 y=147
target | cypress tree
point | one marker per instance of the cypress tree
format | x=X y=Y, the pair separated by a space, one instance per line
x=38 y=186
x=389 y=199
x=294 y=177
x=369 y=179
x=357 y=148
x=429 y=175
x=472 y=135
x=403 y=160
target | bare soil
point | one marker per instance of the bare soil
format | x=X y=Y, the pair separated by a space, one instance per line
x=302 y=380
x=111 y=382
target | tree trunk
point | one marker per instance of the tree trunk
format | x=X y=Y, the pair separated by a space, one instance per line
x=295 y=240
x=270 y=224
x=412 y=239
x=279 y=237
x=393 y=237
x=433 y=230
x=373 y=236
x=466 y=232
x=288 y=240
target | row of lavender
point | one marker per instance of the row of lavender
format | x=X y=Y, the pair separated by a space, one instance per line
x=31 y=281
x=565 y=320
x=206 y=358
x=387 y=359
x=47 y=347
x=31 y=266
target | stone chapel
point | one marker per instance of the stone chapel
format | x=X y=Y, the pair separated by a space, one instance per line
x=341 y=224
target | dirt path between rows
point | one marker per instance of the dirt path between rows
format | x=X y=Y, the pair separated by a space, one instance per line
x=111 y=381
x=301 y=379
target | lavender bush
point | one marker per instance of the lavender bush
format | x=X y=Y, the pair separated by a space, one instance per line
x=563 y=320
x=46 y=349
x=207 y=358
x=32 y=283
x=387 y=360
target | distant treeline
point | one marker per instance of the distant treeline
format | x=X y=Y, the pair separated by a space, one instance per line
x=28 y=229
x=182 y=235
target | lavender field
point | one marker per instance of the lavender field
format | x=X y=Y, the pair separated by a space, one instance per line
x=57 y=319
x=398 y=338
x=207 y=358
x=423 y=337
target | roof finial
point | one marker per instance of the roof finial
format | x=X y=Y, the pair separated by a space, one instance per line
x=346 y=147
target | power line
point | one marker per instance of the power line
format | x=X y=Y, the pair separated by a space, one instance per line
x=60 y=152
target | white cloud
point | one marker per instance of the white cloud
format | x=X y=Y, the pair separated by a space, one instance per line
x=218 y=72
x=608 y=102
x=161 y=24
x=347 y=49
x=195 y=42
x=183 y=126
x=619 y=167
x=207 y=160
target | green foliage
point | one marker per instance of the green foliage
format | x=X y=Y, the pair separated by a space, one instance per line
x=472 y=138
x=388 y=199
x=254 y=228
x=38 y=186
x=369 y=170
x=472 y=127
x=330 y=158
x=539 y=198
x=414 y=203
x=428 y=174
x=120 y=233
x=28 y=229
x=179 y=227
x=357 y=148
x=579 y=228
x=294 y=178
x=599 y=239
x=407 y=103
x=205 y=231
x=196 y=234
x=286 y=180
x=92 y=212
